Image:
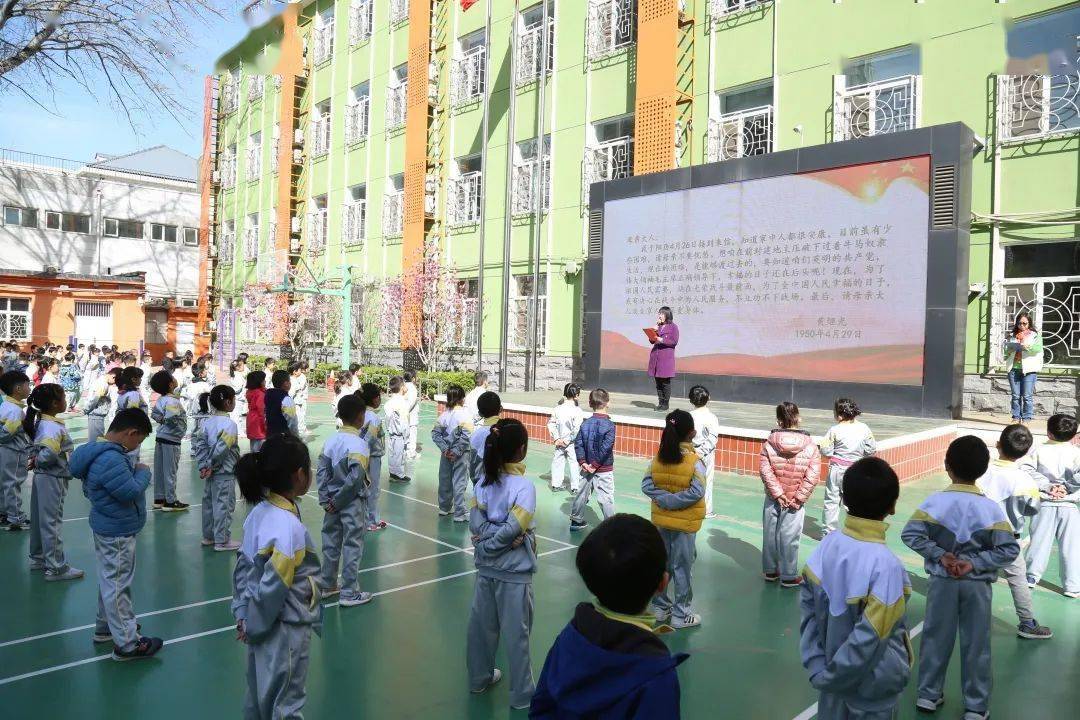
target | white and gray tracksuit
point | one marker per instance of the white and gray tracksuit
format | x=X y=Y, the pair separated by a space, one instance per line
x=14 y=454
x=1056 y=463
x=374 y=435
x=144 y=387
x=298 y=391
x=845 y=443
x=51 y=450
x=276 y=594
x=854 y=639
x=451 y=434
x=171 y=416
x=412 y=397
x=97 y=403
x=962 y=521
x=1007 y=484
x=396 y=424
x=500 y=514
x=706 y=437
x=125 y=400
x=563 y=427
x=342 y=477
x=216 y=448
x=477 y=443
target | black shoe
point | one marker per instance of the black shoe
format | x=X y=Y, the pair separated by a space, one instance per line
x=577 y=525
x=146 y=647
x=396 y=478
x=662 y=407
x=174 y=506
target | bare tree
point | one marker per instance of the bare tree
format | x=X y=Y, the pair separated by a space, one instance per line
x=117 y=50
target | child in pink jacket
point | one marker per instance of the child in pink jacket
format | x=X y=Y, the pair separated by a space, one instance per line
x=790 y=465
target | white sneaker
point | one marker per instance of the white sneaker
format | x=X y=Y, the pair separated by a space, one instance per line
x=927 y=705
x=972 y=715
x=361 y=599
x=496 y=676
x=69 y=574
x=444 y=513
x=691 y=620
x=230 y=546
x=1071 y=594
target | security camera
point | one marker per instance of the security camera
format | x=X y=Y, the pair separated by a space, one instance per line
x=798 y=129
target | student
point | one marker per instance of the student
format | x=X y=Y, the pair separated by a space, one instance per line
x=1056 y=468
x=270 y=367
x=217 y=452
x=1007 y=484
x=563 y=427
x=51 y=376
x=51 y=449
x=790 y=465
x=342 y=383
x=299 y=393
x=503 y=535
x=98 y=403
x=353 y=385
x=117 y=494
x=14 y=449
x=965 y=539
x=70 y=380
x=397 y=431
x=256 y=409
x=194 y=390
x=170 y=415
x=183 y=373
x=595 y=450
x=238 y=382
x=128 y=396
x=147 y=367
x=706 y=436
x=412 y=395
x=342 y=477
x=275 y=593
x=608 y=662
x=675 y=482
x=854 y=638
x=375 y=436
x=480 y=386
x=488 y=408
x=199 y=415
x=451 y=435
x=845 y=442
x=211 y=371
x=280 y=410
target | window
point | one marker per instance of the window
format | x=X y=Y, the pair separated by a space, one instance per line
x=393 y=205
x=254 y=156
x=191 y=236
x=611 y=26
x=877 y=94
x=157 y=327
x=521 y=308
x=531 y=43
x=14 y=319
x=323 y=36
x=466 y=330
x=744 y=126
x=395 y=98
x=317 y=226
x=748 y=98
x=22 y=217
x=123 y=228
x=361 y=20
x=467 y=80
x=275 y=148
x=614 y=129
x=228 y=167
x=883 y=66
x=391 y=322
x=166 y=233
x=612 y=155
x=399 y=11
x=189 y=302
x=354 y=216
x=230 y=91
x=256 y=87
x=228 y=242
x=251 y=237
x=320 y=129
x=357 y=114
x=67 y=222
x=465 y=190
x=526 y=169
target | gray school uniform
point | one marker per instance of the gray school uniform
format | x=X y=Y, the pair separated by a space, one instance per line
x=502 y=603
x=563 y=425
x=96 y=404
x=844 y=443
x=477 y=442
x=781 y=528
x=396 y=423
x=276 y=594
x=1056 y=463
x=971 y=526
x=52 y=448
x=14 y=454
x=342 y=477
x=130 y=399
x=216 y=448
x=171 y=416
x=451 y=433
x=706 y=437
x=375 y=436
x=1018 y=496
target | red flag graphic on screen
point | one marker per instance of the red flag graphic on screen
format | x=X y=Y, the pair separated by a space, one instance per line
x=466 y=4
x=869 y=181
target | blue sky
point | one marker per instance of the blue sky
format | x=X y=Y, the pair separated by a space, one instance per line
x=82 y=125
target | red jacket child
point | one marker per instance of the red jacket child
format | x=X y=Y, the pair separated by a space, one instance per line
x=256 y=415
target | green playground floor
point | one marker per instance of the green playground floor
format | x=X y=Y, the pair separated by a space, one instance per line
x=403 y=655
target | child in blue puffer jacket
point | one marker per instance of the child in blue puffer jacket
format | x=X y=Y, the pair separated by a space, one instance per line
x=116 y=488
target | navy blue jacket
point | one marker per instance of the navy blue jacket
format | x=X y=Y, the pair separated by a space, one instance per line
x=595 y=442
x=115 y=488
x=276 y=424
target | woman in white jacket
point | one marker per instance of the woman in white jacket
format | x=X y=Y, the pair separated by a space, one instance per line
x=1023 y=352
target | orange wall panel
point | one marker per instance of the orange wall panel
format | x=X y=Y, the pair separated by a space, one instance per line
x=654 y=104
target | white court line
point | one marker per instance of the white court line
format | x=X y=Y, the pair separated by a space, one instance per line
x=811 y=711
x=87 y=517
x=427 y=537
x=227 y=628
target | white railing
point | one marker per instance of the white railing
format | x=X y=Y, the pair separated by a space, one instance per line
x=353 y=222
x=230 y=95
x=524 y=190
x=467 y=78
x=395 y=105
x=253 y=161
x=228 y=170
x=608 y=161
x=226 y=248
x=1054 y=305
x=275 y=151
x=256 y=87
x=399 y=11
x=317 y=231
x=1037 y=106
x=876 y=108
x=323 y=42
x=464 y=206
x=320 y=136
x=530 y=48
x=610 y=26
x=521 y=323
x=357 y=119
x=740 y=134
x=393 y=213
x=251 y=242
x=720 y=8
x=361 y=20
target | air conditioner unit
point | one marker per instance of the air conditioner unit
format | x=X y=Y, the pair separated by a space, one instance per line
x=294 y=245
x=295 y=225
x=298 y=137
x=217 y=177
x=298 y=157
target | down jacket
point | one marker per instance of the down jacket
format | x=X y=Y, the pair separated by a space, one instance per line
x=790 y=465
x=115 y=488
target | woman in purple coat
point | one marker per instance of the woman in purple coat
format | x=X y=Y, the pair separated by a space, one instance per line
x=662 y=356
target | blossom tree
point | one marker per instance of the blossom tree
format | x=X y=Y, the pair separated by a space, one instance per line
x=306 y=320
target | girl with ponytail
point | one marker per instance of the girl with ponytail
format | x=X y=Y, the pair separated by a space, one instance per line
x=501 y=521
x=216 y=452
x=275 y=593
x=563 y=426
x=128 y=395
x=49 y=456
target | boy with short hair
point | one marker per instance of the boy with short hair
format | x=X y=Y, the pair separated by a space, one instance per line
x=299 y=393
x=1056 y=468
x=280 y=410
x=854 y=638
x=707 y=434
x=397 y=430
x=270 y=367
x=608 y=661
x=170 y=415
x=372 y=432
x=965 y=539
x=488 y=409
x=117 y=493
x=14 y=449
x=1016 y=492
x=595 y=446
x=98 y=403
x=480 y=380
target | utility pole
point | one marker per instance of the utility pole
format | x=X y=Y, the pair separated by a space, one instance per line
x=483 y=193
x=538 y=201
x=507 y=225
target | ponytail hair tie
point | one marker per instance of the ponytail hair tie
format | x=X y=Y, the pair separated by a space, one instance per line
x=494 y=430
x=671 y=421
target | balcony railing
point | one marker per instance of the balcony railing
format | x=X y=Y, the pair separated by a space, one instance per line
x=530 y=48
x=399 y=11
x=393 y=213
x=608 y=161
x=611 y=26
x=524 y=195
x=876 y=108
x=228 y=170
x=251 y=242
x=395 y=106
x=320 y=136
x=323 y=41
x=353 y=222
x=256 y=87
x=740 y=134
x=317 y=231
x=1054 y=305
x=1030 y=107
x=720 y=8
x=357 y=119
x=226 y=249
x=467 y=80
x=361 y=21
x=521 y=323
x=230 y=96
x=253 y=164
x=464 y=206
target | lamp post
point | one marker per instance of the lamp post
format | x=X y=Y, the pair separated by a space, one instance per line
x=345 y=293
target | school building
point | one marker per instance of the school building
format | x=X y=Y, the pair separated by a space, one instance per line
x=346 y=136
x=105 y=252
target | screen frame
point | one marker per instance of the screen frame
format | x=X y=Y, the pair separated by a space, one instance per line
x=945 y=325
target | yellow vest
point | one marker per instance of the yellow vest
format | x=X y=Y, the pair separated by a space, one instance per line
x=676 y=478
